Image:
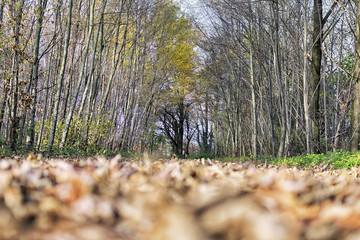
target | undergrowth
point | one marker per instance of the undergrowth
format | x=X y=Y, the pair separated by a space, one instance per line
x=337 y=160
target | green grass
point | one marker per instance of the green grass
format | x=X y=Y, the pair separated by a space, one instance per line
x=338 y=160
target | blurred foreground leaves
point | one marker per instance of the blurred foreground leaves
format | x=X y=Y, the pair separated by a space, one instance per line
x=179 y=199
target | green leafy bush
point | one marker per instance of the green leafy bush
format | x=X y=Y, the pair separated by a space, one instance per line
x=5 y=151
x=83 y=138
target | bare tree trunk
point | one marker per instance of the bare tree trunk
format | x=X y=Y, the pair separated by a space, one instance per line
x=315 y=72
x=5 y=90
x=93 y=79
x=2 y=6
x=35 y=72
x=355 y=118
x=72 y=66
x=47 y=90
x=82 y=70
x=253 y=93
x=309 y=145
x=325 y=116
x=341 y=118
x=336 y=126
x=51 y=72
x=253 y=105
x=278 y=75
x=271 y=113
x=16 y=14
x=288 y=109
x=61 y=77
x=116 y=56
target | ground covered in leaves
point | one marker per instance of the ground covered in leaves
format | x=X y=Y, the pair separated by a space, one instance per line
x=91 y=199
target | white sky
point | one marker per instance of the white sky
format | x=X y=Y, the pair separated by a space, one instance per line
x=196 y=10
x=191 y=7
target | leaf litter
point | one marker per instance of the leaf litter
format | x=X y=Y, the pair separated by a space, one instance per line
x=98 y=198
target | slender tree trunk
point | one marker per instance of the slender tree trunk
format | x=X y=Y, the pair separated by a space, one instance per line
x=34 y=72
x=82 y=70
x=2 y=6
x=355 y=118
x=5 y=90
x=73 y=66
x=92 y=82
x=325 y=117
x=3 y=100
x=278 y=75
x=17 y=13
x=253 y=105
x=336 y=134
x=315 y=72
x=52 y=71
x=253 y=93
x=288 y=108
x=271 y=113
x=60 y=78
x=47 y=90
x=309 y=145
x=115 y=57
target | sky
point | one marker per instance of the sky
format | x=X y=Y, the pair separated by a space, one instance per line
x=191 y=7
x=187 y=4
x=196 y=10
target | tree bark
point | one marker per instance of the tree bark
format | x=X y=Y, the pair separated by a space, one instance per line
x=51 y=72
x=115 y=57
x=355 y=118
x=60 y=78
x=17 y=13
x=5 y=90
x=278 y=76
x=81 y=74
x=92 y=78
x=2 y=6
x=35 y=72
x=336 y=120
x=253 y=106
x=309 y=145
x=315 y=72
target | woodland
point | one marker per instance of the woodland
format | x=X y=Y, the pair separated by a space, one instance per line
x=161 y=119
x=252 y=78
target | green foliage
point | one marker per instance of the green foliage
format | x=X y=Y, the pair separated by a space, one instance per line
x=348 y=63
x=338 y=160
x=77 y=144
x=155 y=139
x=4 y=150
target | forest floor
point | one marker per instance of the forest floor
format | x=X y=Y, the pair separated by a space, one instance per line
x=144 y=199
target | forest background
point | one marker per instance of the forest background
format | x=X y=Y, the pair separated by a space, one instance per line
x=254 y=78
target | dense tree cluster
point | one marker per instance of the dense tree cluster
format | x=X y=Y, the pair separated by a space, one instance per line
x=256 y=78
x=92 y=75
x=284 y=76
